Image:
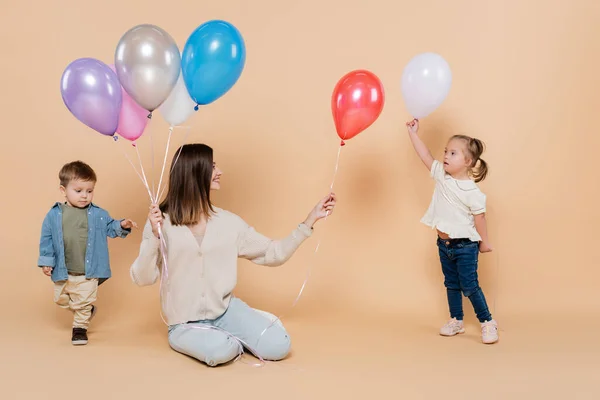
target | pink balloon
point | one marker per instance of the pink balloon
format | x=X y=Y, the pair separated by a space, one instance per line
x=133 y=118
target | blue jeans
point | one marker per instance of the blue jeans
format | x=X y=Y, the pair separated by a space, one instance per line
x=459 y=264
x=215 y=347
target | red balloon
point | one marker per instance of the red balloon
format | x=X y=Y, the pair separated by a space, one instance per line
x=356 y=102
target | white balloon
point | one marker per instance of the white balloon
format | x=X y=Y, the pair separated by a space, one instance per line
x=426 y=81
x=179 y=106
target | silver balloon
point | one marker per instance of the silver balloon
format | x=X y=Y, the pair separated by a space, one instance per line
x=148 y=64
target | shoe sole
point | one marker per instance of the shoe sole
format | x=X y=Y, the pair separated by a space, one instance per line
x=490 y=342
x=79 y=342
x=454 y=334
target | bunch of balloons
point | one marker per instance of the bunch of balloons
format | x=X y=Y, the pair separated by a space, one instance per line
x=149 y=73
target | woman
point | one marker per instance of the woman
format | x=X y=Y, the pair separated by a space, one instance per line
x=203 y=243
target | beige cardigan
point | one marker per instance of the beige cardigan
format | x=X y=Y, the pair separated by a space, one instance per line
x=201 y=278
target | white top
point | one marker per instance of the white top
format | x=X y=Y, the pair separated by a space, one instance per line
x=202 y=267
x=453 y=205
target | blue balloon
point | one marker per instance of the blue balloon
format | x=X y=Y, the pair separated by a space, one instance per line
x=212 y=60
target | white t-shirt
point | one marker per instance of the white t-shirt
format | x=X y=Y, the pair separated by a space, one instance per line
x=453 y=205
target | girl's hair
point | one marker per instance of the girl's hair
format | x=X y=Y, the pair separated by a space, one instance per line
x=188 y=194
x=475 y=148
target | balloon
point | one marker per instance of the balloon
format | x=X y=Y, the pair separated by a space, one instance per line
x=356 y=102
x=426 y=81
x=212 y=60
x=91 y=91
x=148 y=63
x=133 y=118
x=179 y=106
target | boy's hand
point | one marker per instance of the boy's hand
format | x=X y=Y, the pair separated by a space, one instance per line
x=128 y=224
x=47 y=271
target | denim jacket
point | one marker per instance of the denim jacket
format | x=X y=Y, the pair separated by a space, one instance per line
x=100 y=226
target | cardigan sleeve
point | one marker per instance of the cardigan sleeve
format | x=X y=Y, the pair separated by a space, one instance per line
x=262 y=250
x=145 y=269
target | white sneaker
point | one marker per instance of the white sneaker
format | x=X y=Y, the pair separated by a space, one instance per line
x=489 y=332
x=452 y=327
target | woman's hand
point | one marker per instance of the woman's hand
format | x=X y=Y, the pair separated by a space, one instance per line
x=155 y=217
x=323 y=208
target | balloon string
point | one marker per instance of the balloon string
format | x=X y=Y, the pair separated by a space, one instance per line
x=132 y=165
x=162 y=240
x=337 y=163
x=165 y=272
x=162 y=172
x=309 y=269
x=163 y=244
x=145 y=181
x=152 y=160
x=176 y=158
x=142 y=178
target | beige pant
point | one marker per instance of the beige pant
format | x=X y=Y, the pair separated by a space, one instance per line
x=77 y=294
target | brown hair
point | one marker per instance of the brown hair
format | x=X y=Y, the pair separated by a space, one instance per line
x=188 y=194
x=475 y=148
x=76 y=170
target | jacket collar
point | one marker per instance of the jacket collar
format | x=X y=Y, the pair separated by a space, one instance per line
x=58 y=204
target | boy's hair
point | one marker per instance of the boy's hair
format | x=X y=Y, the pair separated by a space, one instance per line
x=475 y=148
x=76 y=170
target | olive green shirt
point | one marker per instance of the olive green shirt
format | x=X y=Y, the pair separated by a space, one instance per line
x=75 y=235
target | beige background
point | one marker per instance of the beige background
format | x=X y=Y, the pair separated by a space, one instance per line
x=525 y=81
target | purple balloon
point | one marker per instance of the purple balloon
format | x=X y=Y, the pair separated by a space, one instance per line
x=92 y=92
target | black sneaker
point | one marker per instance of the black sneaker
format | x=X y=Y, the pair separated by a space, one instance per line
x=79 y=336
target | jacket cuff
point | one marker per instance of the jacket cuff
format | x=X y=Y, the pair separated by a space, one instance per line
x=44 y=261
x=122 y=233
